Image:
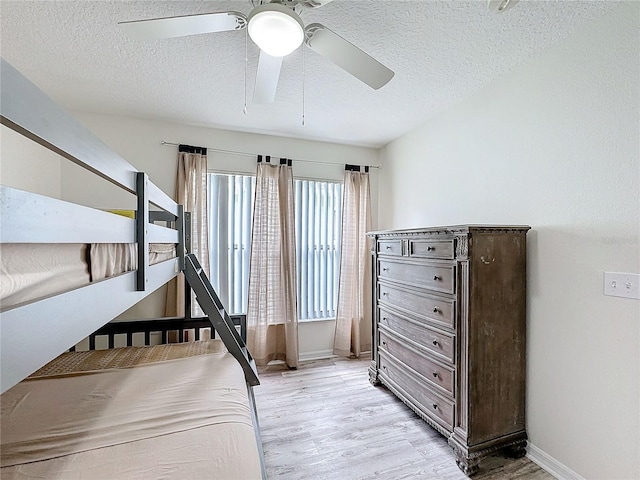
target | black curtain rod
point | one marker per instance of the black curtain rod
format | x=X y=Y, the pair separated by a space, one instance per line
x=283 y=161
x=356 y=168
x=253 y=155
x=192 y=149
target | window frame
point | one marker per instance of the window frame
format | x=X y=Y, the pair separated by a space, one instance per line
x=339 y=226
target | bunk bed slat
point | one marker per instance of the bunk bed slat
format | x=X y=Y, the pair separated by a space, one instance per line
x=31 y=218
x=27 y=110
x=160 y=234
x=39 y=219
x=161 y=199
x=54 y=324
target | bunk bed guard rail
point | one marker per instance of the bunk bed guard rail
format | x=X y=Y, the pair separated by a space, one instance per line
x=52 y=325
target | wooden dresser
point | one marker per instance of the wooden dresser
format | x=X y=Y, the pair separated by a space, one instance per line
x=449 y=332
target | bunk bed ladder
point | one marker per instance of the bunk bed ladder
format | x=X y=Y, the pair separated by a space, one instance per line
x=220 y=320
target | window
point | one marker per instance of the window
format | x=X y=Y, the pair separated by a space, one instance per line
x=230 y=206
x=318 y=211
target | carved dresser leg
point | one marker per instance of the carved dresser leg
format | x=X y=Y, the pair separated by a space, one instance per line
x=373 y=375
x=469 y=466
x=516 y=450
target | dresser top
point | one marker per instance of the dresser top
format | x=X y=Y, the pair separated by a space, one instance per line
x=453 y=229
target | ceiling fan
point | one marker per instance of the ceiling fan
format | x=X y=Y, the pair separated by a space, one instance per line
x=277 y=29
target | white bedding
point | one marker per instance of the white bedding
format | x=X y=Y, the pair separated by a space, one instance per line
x=30 y=271
x=185 y=418
x=109 y=259
x=33 y=271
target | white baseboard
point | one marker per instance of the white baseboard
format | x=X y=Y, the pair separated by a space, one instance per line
x=550 y=464
x=317 y=355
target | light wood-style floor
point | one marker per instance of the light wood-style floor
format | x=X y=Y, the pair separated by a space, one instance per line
x=326 y=421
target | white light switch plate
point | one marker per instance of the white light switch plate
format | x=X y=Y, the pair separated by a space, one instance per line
x=625 y=285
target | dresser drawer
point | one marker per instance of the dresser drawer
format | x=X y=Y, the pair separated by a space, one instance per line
x=421 y=306
x=431 y=249
x=432 y=404
x=390 y=247
x=441 y=344
x=437 y=375
x=432 y=276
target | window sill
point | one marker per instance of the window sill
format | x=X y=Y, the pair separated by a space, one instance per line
x=312 y=320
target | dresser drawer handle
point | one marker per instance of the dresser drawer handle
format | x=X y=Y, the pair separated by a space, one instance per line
x=384 y=294
x=384 y=343
x=430 y=249
x=385 y=269
x=436 y=343
x=388 y=247
x=436 y=310
x=436 y=277
x=435 y=406
x=436 y=374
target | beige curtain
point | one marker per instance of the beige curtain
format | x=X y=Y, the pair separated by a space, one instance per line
x=191 y=191
x=272 y=323
x=353 y=316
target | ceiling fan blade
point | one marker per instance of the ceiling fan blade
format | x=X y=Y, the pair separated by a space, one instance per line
x=267 y=78
x=315 y=3
x=347 y=56
x=156 y=28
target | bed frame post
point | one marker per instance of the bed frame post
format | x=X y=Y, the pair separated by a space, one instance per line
x=181 y=247
x=187 y=287
x=142 y=222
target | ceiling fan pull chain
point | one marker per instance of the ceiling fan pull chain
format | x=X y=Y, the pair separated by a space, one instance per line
x=246 y=60
x=303 y=81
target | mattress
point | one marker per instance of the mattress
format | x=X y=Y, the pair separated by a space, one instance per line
x=178 y=418
x=33 y=271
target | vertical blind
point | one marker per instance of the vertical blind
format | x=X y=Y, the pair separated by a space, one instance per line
x=318 y=211
x=318 y=220
x=231 y=209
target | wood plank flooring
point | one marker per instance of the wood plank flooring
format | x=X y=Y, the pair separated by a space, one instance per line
x=326 y=421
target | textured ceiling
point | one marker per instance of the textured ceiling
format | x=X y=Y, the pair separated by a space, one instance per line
x=441 y=52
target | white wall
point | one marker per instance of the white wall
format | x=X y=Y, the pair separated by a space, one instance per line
x=28 y=166
x=556 y=146
x=139 y=142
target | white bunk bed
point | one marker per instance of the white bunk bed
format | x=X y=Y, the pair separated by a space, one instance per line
x=203 y=429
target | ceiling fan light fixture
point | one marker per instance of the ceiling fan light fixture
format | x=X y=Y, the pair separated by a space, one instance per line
x=275 y=29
